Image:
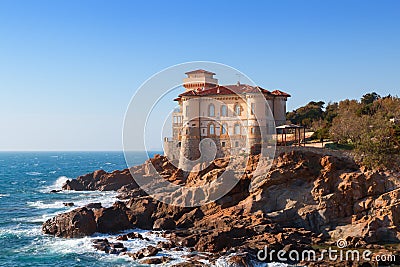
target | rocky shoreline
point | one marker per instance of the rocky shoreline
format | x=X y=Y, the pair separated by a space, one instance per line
x=307 y=200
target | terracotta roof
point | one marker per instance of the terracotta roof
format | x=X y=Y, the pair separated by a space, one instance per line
x=232 y=90
x=200 y=71
x=280 y=93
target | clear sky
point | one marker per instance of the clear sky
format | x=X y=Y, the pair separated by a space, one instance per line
x=68 y=69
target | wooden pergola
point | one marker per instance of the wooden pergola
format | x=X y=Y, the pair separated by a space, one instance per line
x=296 y=129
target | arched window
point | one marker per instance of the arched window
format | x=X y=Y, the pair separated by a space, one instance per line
x=211 y=110
x=211 y=129
x=237 y=129
x=237 y=110
x=224 y=111
x=224 y=128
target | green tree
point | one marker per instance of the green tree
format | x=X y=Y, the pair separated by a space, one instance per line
x=374 y=137
x=307 y=114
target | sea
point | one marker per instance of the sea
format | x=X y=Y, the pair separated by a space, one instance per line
x=26 y=201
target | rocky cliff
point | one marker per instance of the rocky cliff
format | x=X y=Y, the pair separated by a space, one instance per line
x=305 y=199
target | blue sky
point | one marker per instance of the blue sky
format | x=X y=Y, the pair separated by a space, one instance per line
x=68 y=69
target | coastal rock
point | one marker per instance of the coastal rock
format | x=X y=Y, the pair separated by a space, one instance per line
x=94 y=205
x=108 y=247
x=113 y=219
x=131 y=235
x=101 y=180
x=305 y=198
x=77 y=223
x=156 y=260
x=164 y=224
x=148 y=251
x=141 y=211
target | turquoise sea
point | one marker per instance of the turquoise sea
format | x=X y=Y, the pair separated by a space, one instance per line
x=26 y=179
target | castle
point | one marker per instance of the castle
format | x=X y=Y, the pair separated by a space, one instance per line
x=234 y=117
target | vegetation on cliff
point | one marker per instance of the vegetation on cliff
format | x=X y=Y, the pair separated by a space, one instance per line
x=369 y=126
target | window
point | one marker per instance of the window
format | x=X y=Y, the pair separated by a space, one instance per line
x=223 y=144
x=252 y=130
x=224 y=128
x=253 y=108
x=237 y=129
x=237 y=144
x=224 y=111
x=204 y=131
x=237 y=110
x=187 y=111
x=211 y=129
x=211 y=110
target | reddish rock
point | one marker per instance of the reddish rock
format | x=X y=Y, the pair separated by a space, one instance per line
x=100 y=180
x=164 y=224
x=113 y=219
x=149 y=251
x=307 y=197
x=77 y=223
x=141 y=211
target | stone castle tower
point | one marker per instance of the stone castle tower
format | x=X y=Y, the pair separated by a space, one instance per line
x=222 y=119
x=191 y=138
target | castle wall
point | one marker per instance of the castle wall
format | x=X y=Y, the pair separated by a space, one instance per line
x=280 y=110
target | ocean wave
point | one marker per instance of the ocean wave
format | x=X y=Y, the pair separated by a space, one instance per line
x=33 y=173
x=57 y=185
x=4 y=195
x=79 y=198
x=17 y=231
x=36 y=219
x=107 y=199
x=40 y=205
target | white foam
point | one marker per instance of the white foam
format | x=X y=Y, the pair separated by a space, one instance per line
x=20 y=232
x=57 y=185
x=33 y=173
x=79 y=198
x=4 y=195
x=75 y=245
x=40 y=205
x=106 y=198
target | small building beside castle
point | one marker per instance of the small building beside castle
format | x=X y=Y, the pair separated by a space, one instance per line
x=233 y=116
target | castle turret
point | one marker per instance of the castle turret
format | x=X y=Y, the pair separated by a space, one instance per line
x=199 y=79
